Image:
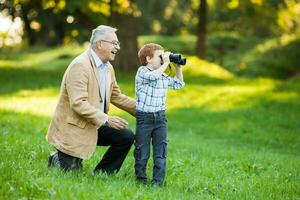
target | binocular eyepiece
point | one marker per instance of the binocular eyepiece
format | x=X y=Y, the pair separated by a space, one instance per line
x=176 y=58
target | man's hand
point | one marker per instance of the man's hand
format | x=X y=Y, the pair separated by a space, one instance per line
x=116 y=122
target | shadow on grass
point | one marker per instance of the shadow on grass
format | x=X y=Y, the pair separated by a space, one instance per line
x=265 y=124
x=15 y=79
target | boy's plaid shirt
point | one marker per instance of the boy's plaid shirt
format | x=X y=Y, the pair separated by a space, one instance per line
x=151 y=90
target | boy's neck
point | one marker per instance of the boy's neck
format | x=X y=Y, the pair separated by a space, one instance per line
x=149 y=66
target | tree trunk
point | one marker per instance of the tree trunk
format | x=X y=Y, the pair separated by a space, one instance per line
x=28 y=31
x=59 y=27
x=201 y=29
x=127 y=58
x=84 y=20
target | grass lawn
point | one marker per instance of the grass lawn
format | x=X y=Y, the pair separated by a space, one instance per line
x=229 y=137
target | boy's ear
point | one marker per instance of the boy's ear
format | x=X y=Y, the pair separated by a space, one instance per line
x=148 y=59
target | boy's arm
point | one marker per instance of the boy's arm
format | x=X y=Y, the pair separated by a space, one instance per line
x=158 y=72
x=179 y=74
x=176 y=82
x=155 y=74
x=166 y=62
x=152 y=75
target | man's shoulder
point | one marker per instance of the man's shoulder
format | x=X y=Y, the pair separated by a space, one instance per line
x=82 y=60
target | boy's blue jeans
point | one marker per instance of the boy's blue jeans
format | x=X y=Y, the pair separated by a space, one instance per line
x=151 y=125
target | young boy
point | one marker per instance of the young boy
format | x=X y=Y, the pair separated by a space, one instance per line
x=151 y=86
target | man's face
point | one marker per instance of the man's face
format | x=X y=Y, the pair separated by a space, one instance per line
x=108 y=47
x=156 y=60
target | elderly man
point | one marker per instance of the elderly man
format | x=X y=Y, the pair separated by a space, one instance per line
x=80 y=122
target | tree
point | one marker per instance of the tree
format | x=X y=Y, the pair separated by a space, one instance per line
x=44 y=23
x=201 y=29
x=124 y=17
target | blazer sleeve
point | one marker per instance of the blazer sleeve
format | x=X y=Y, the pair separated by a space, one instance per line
x=77 y=88
x=120 y=100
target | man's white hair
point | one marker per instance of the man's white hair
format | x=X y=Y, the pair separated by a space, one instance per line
x=100 y=33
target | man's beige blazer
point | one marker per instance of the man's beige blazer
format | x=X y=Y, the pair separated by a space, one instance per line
x=73 y=129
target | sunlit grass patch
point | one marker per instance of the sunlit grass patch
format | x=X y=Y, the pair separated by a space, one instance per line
x=230 y=95
x=40 y=102
x=36 y=56
x=196 y=67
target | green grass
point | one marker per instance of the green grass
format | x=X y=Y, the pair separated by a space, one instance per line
x=229 y=137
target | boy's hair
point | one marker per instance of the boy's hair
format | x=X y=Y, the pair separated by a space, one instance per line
x=148 y=50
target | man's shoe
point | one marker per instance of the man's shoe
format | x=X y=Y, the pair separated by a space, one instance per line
x=53 y=160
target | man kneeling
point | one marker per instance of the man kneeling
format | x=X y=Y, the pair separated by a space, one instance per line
x=80 y=122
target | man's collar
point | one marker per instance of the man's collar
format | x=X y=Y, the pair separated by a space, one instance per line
x=97 y=60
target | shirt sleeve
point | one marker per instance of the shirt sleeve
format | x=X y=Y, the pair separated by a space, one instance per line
x=147 y=75
x=175 y=83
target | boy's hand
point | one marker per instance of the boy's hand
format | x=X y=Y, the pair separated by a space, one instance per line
x=165 y=57
x=177 y=65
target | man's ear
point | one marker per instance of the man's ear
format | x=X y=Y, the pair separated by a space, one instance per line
x=98 y=44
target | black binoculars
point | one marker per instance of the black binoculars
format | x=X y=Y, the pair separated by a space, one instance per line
x=176 y=58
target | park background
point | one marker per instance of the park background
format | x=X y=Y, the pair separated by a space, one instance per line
x=233 y=130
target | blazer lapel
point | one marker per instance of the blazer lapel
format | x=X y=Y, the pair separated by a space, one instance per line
x=96 y=72
x=108 y=83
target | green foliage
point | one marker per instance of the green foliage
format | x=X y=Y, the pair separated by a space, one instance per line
x=246 y=56
x=171 y=17
x=245 y=17
x=63 y=21
x=289 y=17
x=221 y=44
x=176 y=44
x=51 y=22
x=278 y=57
x=230 y=137
x=248 y=18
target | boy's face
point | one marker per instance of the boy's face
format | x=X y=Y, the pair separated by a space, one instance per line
x=156 y=60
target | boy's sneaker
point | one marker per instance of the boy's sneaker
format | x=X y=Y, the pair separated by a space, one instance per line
x=156 y=184
x=142 y=181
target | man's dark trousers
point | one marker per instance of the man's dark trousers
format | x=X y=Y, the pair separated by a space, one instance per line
x=119 y=141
